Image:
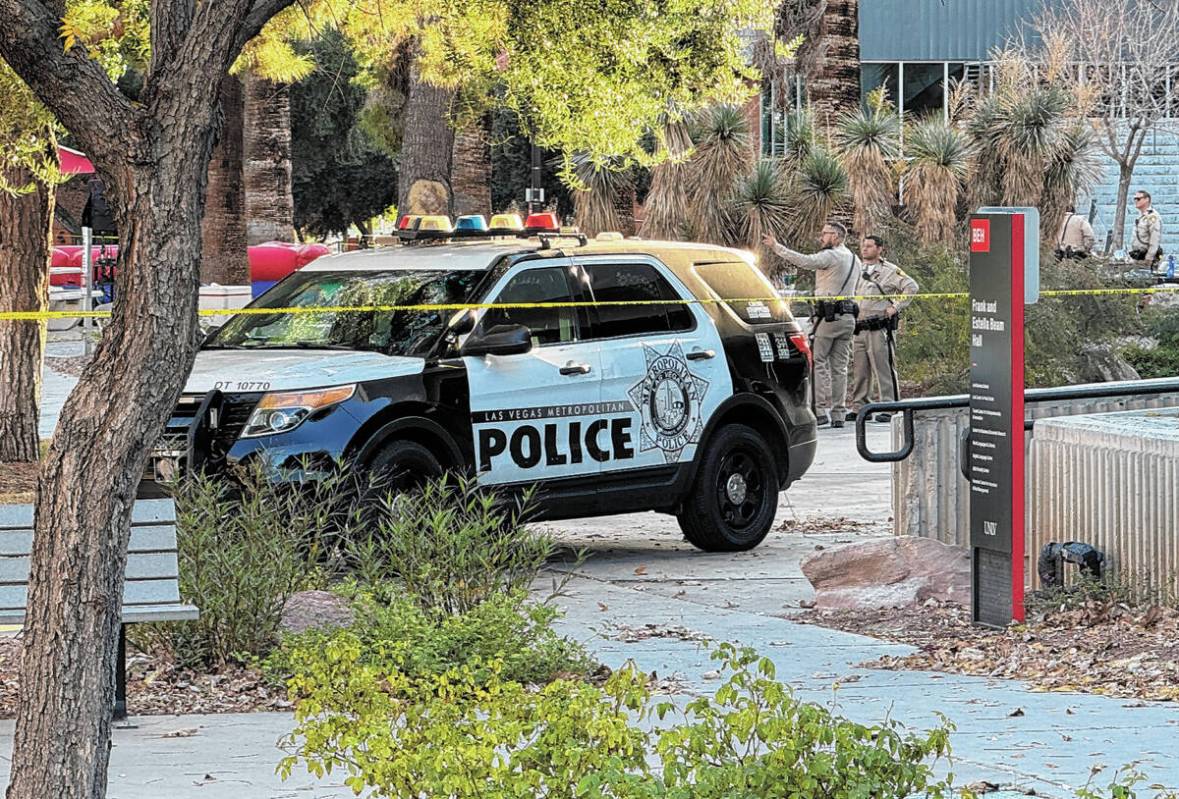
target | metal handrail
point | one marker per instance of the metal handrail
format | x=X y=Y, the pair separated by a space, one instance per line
x=1132 y=388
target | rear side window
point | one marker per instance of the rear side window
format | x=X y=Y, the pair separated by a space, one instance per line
x=640 y=284
x=750 y=295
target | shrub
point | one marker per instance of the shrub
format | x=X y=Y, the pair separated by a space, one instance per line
x=245 y=545
x=451 y=546
x=402 y=637
x=1162 y=324
x=469 y=732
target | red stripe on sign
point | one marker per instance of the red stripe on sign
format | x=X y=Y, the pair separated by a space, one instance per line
x=1017 y=434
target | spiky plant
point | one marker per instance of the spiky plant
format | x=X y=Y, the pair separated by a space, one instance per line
x=939 y=160
x=761 y=205
x=869 y=141
x=667 y=206
x=799 y=138
x=598 y=186
x=820 y=186
x=723 y=154
x=984 y=128
x=1074 y=169
x=1028 y=142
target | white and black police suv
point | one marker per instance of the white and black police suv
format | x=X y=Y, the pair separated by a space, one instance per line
x=618 y=376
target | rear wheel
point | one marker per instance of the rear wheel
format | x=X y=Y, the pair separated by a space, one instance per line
x=735 y=496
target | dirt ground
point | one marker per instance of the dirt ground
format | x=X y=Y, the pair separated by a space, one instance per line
x=1093 y=646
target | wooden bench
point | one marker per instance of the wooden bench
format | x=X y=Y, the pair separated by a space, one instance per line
x=151 y=591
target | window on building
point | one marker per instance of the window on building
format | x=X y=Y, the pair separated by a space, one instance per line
x=873 y=76
x=923 y=88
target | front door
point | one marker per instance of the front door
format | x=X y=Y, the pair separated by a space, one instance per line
x=537 y=416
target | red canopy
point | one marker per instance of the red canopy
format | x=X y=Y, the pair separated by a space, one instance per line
x=74 y=162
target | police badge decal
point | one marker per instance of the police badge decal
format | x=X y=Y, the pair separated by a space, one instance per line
x=668 y=398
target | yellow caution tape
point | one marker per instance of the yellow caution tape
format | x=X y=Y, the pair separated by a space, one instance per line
x=37 y=316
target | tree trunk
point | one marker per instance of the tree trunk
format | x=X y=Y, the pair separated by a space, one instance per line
x=223 y=229
x=471 y=169
x=833 y=84
x=424 y=174
x=1118 y=240
x=266 y=138
x=25 y=229
x=624 y=209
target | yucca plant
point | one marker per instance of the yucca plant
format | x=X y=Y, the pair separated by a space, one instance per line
x=1028 y=141
x=1073 y=170
x=600 y=186
x=868 y=141
x=667 y=206
x=799 y=138
x=761 y=205
x=723 y=154
x=939 y=160
x=820 y=186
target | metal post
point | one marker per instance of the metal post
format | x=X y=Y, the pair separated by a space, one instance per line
x=534 y=181
x=946 y=90
x=120 y=712
x=87 y=285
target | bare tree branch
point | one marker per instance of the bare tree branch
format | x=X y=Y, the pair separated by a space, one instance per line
x=70 y=84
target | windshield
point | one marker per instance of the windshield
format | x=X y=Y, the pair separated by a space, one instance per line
x=392 y=333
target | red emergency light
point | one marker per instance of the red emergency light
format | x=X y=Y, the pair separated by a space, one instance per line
x=544 y=222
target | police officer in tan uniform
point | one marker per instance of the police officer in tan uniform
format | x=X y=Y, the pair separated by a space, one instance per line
x=836 y=269
x=873 y=348
x=1148 y=232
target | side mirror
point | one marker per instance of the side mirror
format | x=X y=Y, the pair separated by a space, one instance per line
x=499 y=340
x=462 y=323
x=209 y=333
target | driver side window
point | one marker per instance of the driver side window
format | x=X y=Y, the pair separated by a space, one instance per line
x=547 y=325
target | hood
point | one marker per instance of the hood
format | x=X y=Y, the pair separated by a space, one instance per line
x=289 y=370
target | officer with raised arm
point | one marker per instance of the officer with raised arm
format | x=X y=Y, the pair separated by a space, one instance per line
x=836 y=269
x=885 y=291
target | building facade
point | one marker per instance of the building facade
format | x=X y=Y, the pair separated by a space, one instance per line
x=916 y=48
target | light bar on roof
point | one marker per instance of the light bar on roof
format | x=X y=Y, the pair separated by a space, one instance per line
x=544 y=222
x=506 y=224
x=471 y=223
x=407 y=221
x=437 y=223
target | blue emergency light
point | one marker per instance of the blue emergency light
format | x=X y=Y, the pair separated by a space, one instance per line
x=471 y=223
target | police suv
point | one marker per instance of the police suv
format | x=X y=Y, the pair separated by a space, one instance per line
x=615 y=376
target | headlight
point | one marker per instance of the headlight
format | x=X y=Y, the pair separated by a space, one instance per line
x=281 y=412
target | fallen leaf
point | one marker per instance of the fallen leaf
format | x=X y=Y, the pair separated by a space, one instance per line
x=603 y=606
x=1017 y=712
x=641 y=570
x=183 y=732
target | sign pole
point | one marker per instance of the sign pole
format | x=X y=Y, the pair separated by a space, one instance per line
x=1004 y=274
x=87 y=287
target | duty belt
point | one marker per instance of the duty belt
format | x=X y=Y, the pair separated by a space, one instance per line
x=829 y=310
x=877 y=323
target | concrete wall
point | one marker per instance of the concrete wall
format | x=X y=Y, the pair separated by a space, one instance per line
x=1157 y=172
x=1112 y=481
x=930 y=498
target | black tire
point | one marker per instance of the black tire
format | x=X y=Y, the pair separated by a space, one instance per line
x=735 y=497
x=402 y=465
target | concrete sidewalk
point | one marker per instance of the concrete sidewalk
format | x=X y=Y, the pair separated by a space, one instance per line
x=640 y=572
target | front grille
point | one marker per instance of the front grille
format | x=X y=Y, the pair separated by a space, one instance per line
x=235 y=412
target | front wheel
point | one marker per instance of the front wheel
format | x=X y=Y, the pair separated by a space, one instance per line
x=403 y=465
x=735 y=496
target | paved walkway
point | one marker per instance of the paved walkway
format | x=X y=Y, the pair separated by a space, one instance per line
x=641 y=572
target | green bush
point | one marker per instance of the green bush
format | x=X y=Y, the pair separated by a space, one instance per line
x=451 y=546
x=403 y=637
x=470 y=732
x=1161 y=324
x=245 y=545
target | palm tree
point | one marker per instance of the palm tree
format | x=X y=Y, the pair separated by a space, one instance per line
x=223 y=227
x=470 y=176
x=1073 y=170
x=868 y=141
x=723 y=155
x=939 y=156
x=820 y=188
x=266 y=144
x=666 y=209
x=604 y=186
x=829 y=56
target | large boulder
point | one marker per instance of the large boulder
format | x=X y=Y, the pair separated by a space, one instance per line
x=315 y=610
x=890 y=572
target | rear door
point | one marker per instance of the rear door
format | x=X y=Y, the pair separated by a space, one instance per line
x=536 y=416
x=661 y=359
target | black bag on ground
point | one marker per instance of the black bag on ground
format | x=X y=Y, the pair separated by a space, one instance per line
x=1050 y=564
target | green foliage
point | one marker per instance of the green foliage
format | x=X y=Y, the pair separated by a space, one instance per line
x=403 y=637
x=1125 y=784
x=244 y=547
x=762 y=204
x=599 y=186
x=340 y=177
x=451 y=546
x=939 y=161
x=471 y=732
x=723 y=154
x=869 y=142
x=28 y=135
x=821 y=186
x=1162 y=324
